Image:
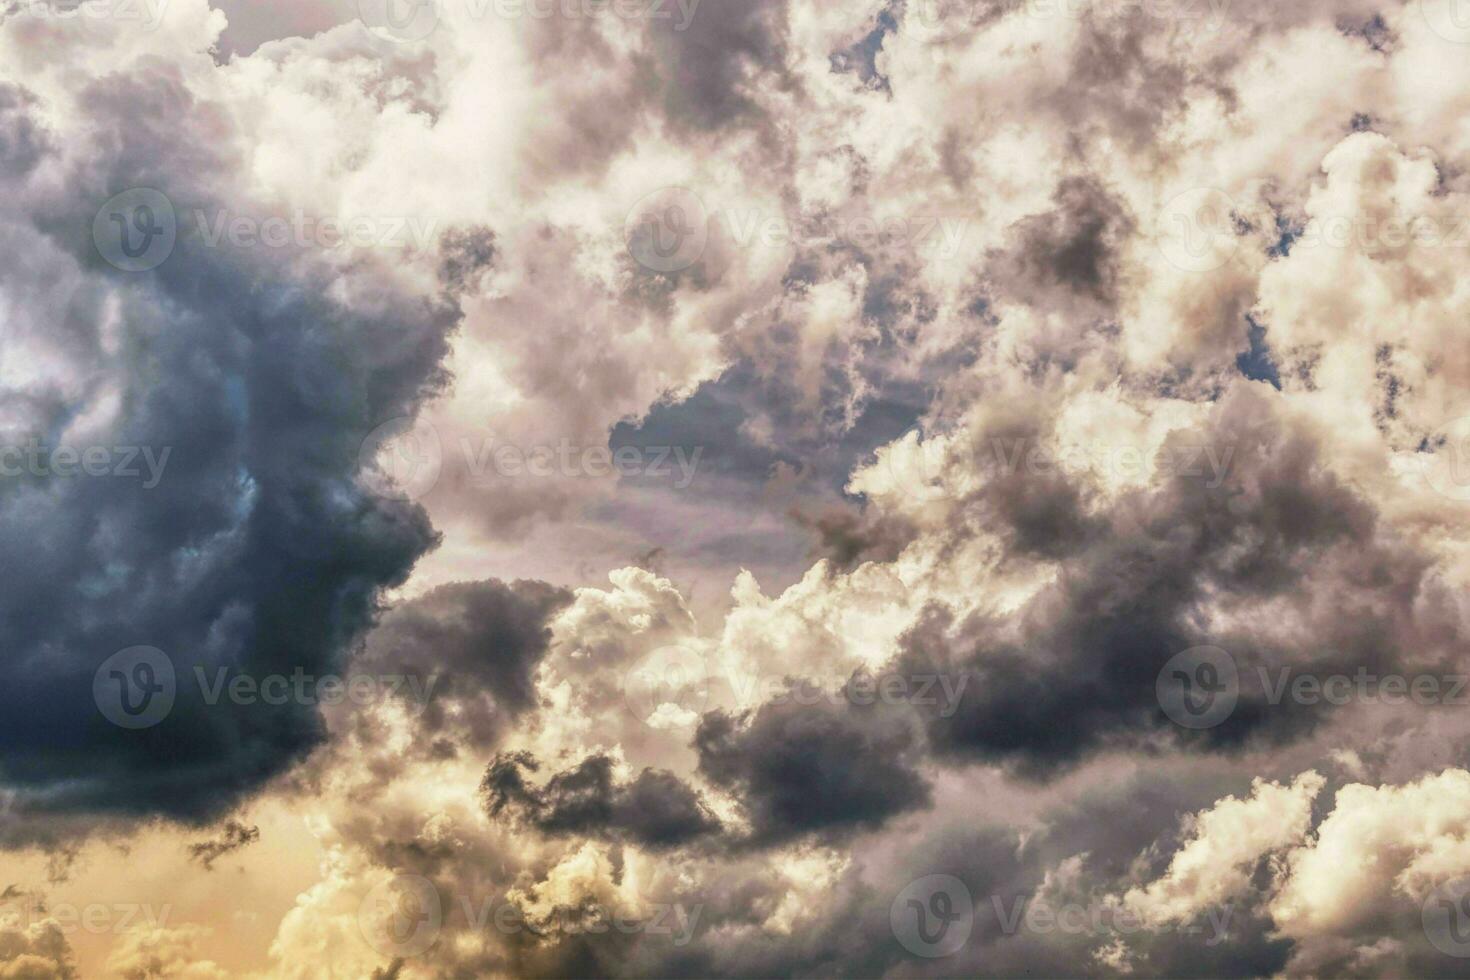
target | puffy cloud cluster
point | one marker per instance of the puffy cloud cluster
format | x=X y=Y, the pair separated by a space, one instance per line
x=1013 y=349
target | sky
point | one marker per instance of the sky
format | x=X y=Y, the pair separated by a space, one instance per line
x=734 y=488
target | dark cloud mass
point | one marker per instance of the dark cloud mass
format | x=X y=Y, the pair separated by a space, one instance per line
x=824 y=768
x=734 y=488
x=258 y=551
x=655 y=809
x=477 y=643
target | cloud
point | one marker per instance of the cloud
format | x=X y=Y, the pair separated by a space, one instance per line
x=1225 y=844
x=39 y=952
x=234 y=836
x=257 y=550
x=655 y=809
x=965 y=284
x=824 y=769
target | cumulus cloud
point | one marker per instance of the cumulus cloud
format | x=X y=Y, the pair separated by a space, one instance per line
x=749 y=465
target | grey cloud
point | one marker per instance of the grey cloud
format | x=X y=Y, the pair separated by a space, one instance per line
x=472 y=648
x=655 y=809
x=258 y=550
x=1074 y=669
x=1071 y=250
x=830 y=768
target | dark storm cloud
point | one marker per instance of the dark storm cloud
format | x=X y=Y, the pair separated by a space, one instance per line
x=655 y=809
x=830 y=768
x=1074 y=248
x=479 y=644
x=258 y=551
x=1075 y=668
